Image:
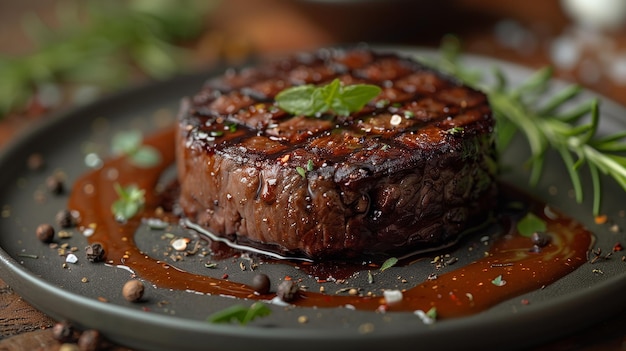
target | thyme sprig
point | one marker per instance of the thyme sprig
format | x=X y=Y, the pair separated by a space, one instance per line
x=562 y=123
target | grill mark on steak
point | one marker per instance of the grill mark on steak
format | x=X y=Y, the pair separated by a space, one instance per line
x=388 y=176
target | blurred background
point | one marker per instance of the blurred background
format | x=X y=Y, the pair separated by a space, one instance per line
x=55 y=54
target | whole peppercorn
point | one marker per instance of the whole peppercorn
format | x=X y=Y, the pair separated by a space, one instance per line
x=95 y=252
x=55 y=184
x=63 y=332
x=35 y=162
x=65 y=219
x=90 y=340
x=133 y=290
x=45 y=233
x=261 y=283
x=287 y=290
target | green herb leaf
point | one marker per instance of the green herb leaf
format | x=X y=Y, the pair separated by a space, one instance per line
x=297 y=100
x=390 y=262
x=309 y=100
x=131 y=200
x=354 y=97
x=241 y=314
x=530 y=224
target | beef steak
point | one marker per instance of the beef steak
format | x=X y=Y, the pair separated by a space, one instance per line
x=412 y=169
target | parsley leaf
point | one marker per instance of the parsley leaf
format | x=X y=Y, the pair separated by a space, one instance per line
x=310 y=100
x=130 y=201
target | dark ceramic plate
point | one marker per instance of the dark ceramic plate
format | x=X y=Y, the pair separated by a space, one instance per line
x=168 y=320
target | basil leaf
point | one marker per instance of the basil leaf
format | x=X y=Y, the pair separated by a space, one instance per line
x=309 y=100
x=297 y=100
x=354 y=97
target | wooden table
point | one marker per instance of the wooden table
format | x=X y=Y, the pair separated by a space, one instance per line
x=518 y=31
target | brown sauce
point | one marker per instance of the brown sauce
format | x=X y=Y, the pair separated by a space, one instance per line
x=466 y=290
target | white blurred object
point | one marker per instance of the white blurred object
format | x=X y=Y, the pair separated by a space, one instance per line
x=597 y=14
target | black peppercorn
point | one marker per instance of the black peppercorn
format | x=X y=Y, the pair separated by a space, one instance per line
x=55 y=184
x=95 y=252
x=65 y=219
x=261 y=283
x=90 y=340
x=63 y=332
x=287 y=290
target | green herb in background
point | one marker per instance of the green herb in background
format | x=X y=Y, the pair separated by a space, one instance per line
x=546 y=125
x=129 y=143
x=102 y=43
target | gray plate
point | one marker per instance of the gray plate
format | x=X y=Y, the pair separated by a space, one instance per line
x=168 y=320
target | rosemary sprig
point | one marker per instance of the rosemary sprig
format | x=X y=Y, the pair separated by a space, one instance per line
x=551 y=124
x=101 y=43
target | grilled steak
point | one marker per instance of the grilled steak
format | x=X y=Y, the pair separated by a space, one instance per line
x=411 y=170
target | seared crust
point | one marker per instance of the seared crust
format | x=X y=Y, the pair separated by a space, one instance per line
x=411 y=170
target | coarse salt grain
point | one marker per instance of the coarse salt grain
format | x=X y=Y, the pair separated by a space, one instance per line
x=395 y=120
x=71 y=258
x=392 y=296
x=424 y=317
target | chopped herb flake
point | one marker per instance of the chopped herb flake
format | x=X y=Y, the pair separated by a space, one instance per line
x=432 y=313
x=498 y=281
x=301 y=171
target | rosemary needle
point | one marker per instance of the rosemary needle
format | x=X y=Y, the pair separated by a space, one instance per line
x=546 y=125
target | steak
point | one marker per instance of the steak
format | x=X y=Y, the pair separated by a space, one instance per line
x=411 y=170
